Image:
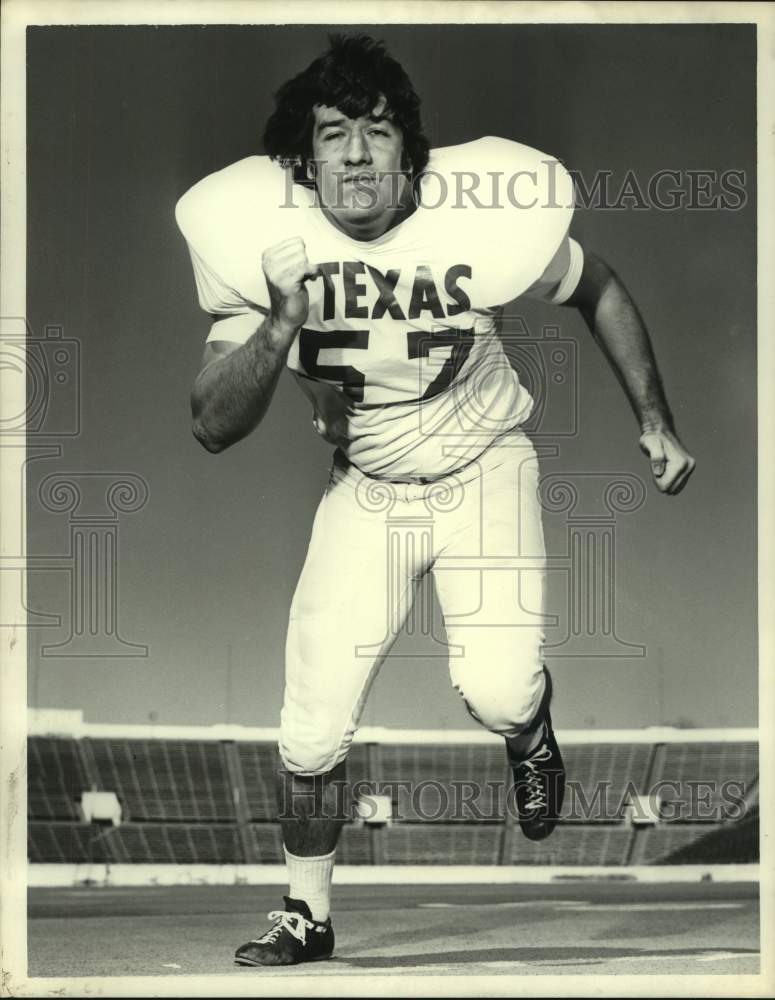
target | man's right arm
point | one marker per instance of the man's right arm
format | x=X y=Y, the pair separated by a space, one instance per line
x=235 y=385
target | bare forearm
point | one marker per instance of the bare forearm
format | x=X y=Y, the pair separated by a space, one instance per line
x=232 y=394
x=619 y=331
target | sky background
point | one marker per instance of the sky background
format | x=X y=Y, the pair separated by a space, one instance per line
x=121 y=121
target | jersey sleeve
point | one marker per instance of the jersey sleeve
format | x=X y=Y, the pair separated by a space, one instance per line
x=228 y=219
x=235 y=319
x=561 y=276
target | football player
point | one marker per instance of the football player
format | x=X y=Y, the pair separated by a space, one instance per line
x=352 y=256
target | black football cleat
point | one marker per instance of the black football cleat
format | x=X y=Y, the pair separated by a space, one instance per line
x=295 y=937
x=539 y=780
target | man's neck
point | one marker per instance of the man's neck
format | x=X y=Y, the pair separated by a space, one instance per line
x=365 y=230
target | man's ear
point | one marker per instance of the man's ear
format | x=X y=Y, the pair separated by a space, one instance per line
x=309 y=167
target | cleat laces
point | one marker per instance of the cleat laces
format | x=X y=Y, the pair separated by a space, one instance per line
x=294 y=923
x=536 y=791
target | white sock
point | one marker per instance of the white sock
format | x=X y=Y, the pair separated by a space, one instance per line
x=310 y=880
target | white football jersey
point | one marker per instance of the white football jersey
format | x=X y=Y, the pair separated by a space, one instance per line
x=400 y=354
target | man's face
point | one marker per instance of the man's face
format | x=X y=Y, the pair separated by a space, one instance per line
x=357 y=168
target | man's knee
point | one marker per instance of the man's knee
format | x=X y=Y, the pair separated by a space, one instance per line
x=311 y=756
x=505 y=703
x=506 y=719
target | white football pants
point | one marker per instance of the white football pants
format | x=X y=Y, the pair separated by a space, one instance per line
x=478 y=532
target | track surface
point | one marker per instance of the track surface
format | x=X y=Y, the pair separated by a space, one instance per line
x=566 y=928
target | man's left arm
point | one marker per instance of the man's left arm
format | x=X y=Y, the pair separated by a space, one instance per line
x=619 y=331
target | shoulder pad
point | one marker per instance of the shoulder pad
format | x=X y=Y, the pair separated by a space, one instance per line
x=507 y=207
x=230 y=217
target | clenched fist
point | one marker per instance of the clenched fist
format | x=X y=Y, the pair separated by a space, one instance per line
x=671 y=463
x=286 y=268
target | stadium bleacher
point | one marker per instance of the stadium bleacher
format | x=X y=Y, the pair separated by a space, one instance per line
x=444 y=782
x=573 y=844
x=165 y=779
x=55 y=778
x=604 y=776
x=739 y=840
x=60 y=842
x=701 y=783
x=184 y=843
x=257 y=762
x=661 y=841
x=209 y=800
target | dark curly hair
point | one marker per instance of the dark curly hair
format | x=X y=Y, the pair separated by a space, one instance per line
x=351 y=75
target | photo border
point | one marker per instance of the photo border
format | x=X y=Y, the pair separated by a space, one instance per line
x=16 y=16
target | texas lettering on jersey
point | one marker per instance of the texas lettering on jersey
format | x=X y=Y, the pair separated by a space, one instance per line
x=424 y=297
x=400 y=354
